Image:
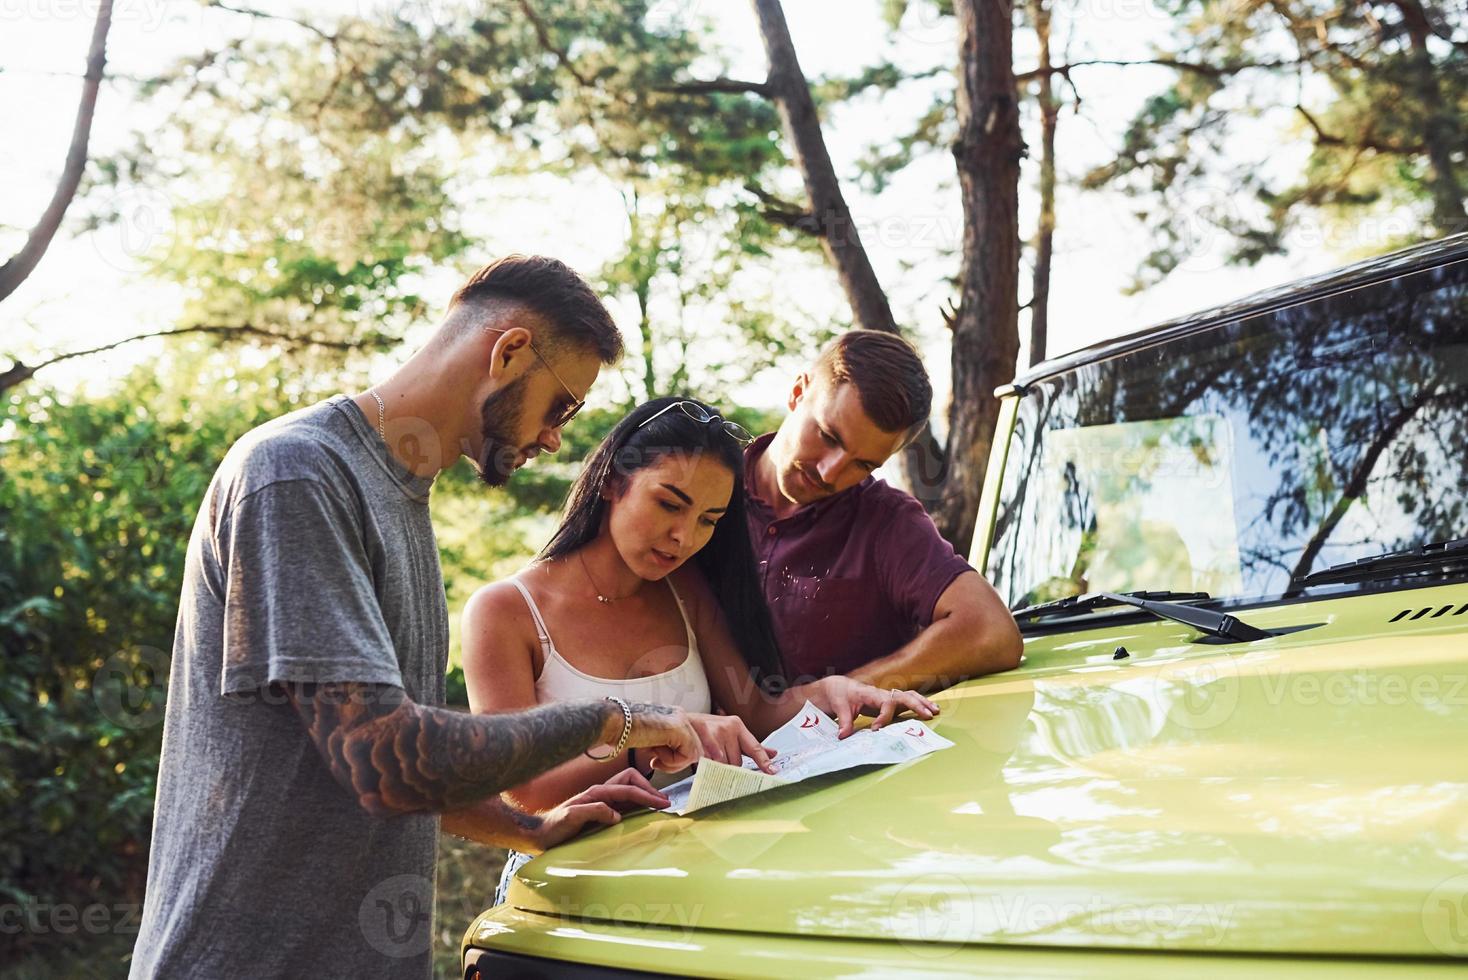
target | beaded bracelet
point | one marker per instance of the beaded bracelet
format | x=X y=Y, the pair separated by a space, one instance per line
x=626 y=733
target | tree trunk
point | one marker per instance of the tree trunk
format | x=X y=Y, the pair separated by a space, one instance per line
x=838 y=232
x=923 y=462
x=1045 y=233
x=986 y=320
x=1447 y=193
x=644 y=326
x=23 y=263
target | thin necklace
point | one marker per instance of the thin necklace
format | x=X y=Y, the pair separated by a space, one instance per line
x=600 y=597
x=381 y=413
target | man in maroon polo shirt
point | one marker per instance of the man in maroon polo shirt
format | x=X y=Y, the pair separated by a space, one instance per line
x=858 y=580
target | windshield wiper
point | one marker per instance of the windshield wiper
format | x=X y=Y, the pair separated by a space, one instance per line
x=1204 y=620
x=1093 y=600
x=1424 y=558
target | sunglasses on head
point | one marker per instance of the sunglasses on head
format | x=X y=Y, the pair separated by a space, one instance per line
x=698 y=413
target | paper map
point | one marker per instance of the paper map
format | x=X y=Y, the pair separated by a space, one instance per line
x=808 y=746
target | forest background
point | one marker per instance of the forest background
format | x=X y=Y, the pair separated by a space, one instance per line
x=214 y=213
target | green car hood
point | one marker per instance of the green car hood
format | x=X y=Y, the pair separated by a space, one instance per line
x=1302 y=794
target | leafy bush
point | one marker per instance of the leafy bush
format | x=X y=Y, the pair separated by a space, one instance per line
x=97 y=501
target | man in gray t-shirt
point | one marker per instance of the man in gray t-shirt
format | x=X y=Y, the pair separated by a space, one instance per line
x=306 y=756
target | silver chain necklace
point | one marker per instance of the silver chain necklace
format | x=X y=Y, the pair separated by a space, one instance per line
x=381 y=413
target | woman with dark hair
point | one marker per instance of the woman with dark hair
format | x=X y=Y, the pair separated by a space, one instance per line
x=648 y=591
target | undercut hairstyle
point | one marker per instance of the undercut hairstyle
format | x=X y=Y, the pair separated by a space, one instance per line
x=888 y=374
x=564 y=303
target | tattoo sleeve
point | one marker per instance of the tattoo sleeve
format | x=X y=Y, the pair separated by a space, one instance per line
x=396 y=756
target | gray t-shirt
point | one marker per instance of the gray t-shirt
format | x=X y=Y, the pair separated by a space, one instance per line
x=312 y=560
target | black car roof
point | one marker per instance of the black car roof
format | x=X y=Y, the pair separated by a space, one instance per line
x=1365 y=273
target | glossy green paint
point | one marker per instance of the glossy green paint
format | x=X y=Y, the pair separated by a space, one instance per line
x=692 y=952
x=1306 y=794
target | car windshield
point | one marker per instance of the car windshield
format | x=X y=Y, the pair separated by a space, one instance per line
x=1235 y=460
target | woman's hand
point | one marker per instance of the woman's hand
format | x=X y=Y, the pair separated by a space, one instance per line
x=601 y=804
x=726 y=739
x=665 y=733
x=846 y=698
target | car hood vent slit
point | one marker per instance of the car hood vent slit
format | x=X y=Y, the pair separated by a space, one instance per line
x=1431 y=611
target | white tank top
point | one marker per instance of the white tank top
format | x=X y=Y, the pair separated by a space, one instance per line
x=685 y=686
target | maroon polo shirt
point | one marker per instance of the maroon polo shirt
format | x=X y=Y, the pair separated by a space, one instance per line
x=850 y=578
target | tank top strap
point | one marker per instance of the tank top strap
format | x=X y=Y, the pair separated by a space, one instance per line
x=540 y=630
x=683 y=611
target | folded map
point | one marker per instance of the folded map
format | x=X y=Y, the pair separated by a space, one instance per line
x=808 y=746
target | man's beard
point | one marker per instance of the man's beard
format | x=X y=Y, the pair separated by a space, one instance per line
x=499 y=420
x=801 y=492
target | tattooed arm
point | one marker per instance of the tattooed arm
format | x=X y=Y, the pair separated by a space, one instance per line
x=396 y=756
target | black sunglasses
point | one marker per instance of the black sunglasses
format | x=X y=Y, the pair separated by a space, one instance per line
x=698 y=413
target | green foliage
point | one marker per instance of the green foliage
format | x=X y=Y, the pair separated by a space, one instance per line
x=273 y=206
x=96 y=505
x=318 y=175
x=894 y=10
x=1348 y=81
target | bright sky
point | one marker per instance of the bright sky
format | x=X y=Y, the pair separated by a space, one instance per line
x=88 y=291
